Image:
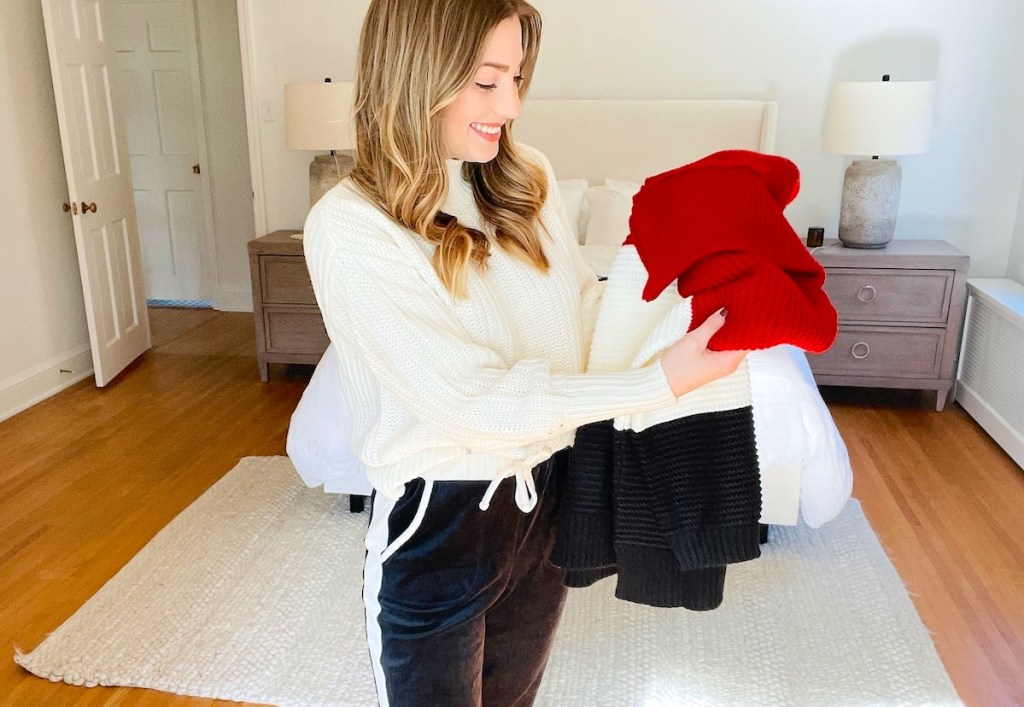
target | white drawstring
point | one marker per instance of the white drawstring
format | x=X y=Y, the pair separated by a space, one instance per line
x=526 y=491
x=485 y=502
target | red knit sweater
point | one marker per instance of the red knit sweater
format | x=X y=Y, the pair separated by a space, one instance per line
x=716 y=227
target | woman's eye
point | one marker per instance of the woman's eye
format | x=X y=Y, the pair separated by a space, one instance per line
x=491 y=86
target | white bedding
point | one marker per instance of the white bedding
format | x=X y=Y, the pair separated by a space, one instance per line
x=318 y=434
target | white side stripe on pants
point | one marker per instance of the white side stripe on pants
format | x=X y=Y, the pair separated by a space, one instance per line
x=377 y=551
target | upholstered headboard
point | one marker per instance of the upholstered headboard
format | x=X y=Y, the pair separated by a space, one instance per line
x=634 y=139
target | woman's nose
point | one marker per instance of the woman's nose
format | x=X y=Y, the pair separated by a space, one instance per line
x=509 y=103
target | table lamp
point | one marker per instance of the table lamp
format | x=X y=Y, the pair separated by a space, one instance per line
x=318 y=116
x=875 y=118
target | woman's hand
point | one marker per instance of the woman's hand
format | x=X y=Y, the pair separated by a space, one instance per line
x=688 y=364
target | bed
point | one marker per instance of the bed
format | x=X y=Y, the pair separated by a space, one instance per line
x=601 y=150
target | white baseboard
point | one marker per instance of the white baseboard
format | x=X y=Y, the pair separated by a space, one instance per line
x=233 y=301
x=38 y=383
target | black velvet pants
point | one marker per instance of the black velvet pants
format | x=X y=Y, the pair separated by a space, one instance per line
x=462 y=604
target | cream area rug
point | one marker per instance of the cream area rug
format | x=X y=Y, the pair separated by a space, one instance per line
x=253 y=594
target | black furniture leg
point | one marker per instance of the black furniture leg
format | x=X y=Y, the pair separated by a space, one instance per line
x=762 y=534
x=356 y=503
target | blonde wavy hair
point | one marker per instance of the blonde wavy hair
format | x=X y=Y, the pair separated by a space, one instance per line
x=415 y=58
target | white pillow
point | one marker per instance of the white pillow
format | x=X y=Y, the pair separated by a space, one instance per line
x=609 y=206
x=623 y=185
x=573 y=192
x=599 y=257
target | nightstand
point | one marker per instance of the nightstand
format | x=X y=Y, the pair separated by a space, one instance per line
x=289 y=328
x=901 y=311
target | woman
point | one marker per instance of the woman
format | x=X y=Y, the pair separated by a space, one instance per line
x=461 y=310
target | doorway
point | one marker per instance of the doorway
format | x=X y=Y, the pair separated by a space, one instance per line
x=155 y=72
x=162 y=104
x=170 y=62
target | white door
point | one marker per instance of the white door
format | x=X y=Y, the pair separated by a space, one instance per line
x=155 y=71
x=99 y=185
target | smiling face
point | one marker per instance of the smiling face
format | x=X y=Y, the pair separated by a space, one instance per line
x=473 y=123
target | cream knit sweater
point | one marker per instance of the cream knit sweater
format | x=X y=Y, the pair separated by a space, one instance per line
x=482 y=388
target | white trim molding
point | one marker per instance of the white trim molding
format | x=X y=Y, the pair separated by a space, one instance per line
x=252 y=115
x=27 y=388
x=233 y=300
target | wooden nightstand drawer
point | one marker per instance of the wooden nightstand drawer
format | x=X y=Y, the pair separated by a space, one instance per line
x=906 y=352
x=294 y=330
x=900 y=312
x=886 y=295
x=289 y=328
x=285 y=280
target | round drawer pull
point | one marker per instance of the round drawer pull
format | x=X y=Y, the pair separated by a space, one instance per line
x=866 y=293
x=860 y=350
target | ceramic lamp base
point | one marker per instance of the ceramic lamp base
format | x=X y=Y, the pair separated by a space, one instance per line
x=871 y=198
x=327 y=170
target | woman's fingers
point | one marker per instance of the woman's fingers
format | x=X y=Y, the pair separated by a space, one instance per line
x=726 y=361
x=709 y=327
x=688 y=364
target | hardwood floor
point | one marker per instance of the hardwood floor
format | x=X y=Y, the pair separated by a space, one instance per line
x=88 y=476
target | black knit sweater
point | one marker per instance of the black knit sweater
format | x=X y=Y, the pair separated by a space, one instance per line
x=666 y=508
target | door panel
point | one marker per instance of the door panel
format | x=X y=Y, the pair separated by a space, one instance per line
x=94 y=147
x=153 y=74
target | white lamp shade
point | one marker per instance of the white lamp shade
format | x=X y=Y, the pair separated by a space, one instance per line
x=318 y=116
x=879 y=117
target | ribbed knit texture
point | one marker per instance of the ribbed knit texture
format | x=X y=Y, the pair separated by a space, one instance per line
x=684 y=501
x=650 y=577
x=664 y=498
x=478 y=388
x=586 y=524
x=791 y=422
x=716 y=227
x=697 y=477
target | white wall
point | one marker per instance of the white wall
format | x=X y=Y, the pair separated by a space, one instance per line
x=42 y=315
x=965 y=190
x=1015 y=268
x=220 y=66
x=297 y=42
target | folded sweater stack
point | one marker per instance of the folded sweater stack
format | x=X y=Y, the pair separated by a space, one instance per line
x=668 y=498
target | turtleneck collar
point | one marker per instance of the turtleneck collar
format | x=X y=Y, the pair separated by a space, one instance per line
x=460 y=202
x=454 y=169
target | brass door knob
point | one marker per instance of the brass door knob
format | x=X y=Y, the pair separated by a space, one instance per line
x=89 y=207
x=195 y=169
x=73 y=208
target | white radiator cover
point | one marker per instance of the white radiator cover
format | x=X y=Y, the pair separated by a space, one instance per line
x=990 y=384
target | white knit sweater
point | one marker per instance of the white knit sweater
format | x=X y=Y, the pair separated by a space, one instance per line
x=482 y=388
